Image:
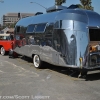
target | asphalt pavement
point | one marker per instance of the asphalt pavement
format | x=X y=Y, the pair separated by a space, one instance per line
x=19 y=80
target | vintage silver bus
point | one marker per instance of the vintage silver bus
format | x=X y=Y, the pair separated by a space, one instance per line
x=62 y=37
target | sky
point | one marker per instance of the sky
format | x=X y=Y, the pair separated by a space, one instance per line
x=24 y=6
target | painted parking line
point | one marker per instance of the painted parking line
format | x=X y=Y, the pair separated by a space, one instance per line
x=18 y=67
x=22 y=68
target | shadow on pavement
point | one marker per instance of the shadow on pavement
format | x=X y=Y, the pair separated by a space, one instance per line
x=93 y=76
x=67 y=71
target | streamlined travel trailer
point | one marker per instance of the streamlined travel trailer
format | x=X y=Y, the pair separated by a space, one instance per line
x=63 y=36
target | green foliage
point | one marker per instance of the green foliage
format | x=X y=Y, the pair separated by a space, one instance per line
x=10 y=25
x=59 y=2
x=80 y=6
x=86 y=4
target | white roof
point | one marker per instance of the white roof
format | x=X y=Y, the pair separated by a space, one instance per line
x=4 y=34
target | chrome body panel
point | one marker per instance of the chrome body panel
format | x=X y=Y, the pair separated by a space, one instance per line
x=70 y=37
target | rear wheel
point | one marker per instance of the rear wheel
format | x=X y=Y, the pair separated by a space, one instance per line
x=3 y=51
x=36 y=61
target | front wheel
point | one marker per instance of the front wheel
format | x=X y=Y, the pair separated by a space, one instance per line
x=3 y=51
x=37 y=62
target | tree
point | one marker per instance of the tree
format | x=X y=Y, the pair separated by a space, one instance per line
x=12 y=25
x=59 y=2
x=86 y=4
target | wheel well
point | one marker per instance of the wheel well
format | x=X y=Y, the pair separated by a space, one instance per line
x=33 y=55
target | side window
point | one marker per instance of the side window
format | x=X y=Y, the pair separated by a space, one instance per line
x=0 y=37
x=11 y=37
x=40 y=28
x=49 y=31
x=57 y=25
x=4 y=37
x=49 y=34
x=8 y=38
x=18 y=29
x=30 y=29
x=22 y=29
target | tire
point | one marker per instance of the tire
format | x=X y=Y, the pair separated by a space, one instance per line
x=14 y=55
x=2 y=51
x=37 y=62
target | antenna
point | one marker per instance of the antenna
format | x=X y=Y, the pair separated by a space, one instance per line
x=38 y=4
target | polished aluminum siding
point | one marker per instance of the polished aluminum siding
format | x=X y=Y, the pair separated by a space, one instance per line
x=71 y=27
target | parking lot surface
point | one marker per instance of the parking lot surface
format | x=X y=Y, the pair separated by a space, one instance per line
x=19 y=80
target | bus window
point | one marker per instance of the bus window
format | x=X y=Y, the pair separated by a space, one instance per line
x=30 y=29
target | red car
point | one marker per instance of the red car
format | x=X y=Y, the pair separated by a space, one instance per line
x=6 y=43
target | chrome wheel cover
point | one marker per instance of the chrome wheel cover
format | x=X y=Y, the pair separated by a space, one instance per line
x=36 y=61
x=2 y=51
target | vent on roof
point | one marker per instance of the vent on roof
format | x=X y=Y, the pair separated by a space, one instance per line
x=55 y=8
x=73 y=6
x=38 y=13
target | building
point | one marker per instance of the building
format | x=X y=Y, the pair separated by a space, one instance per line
x=11 y=18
